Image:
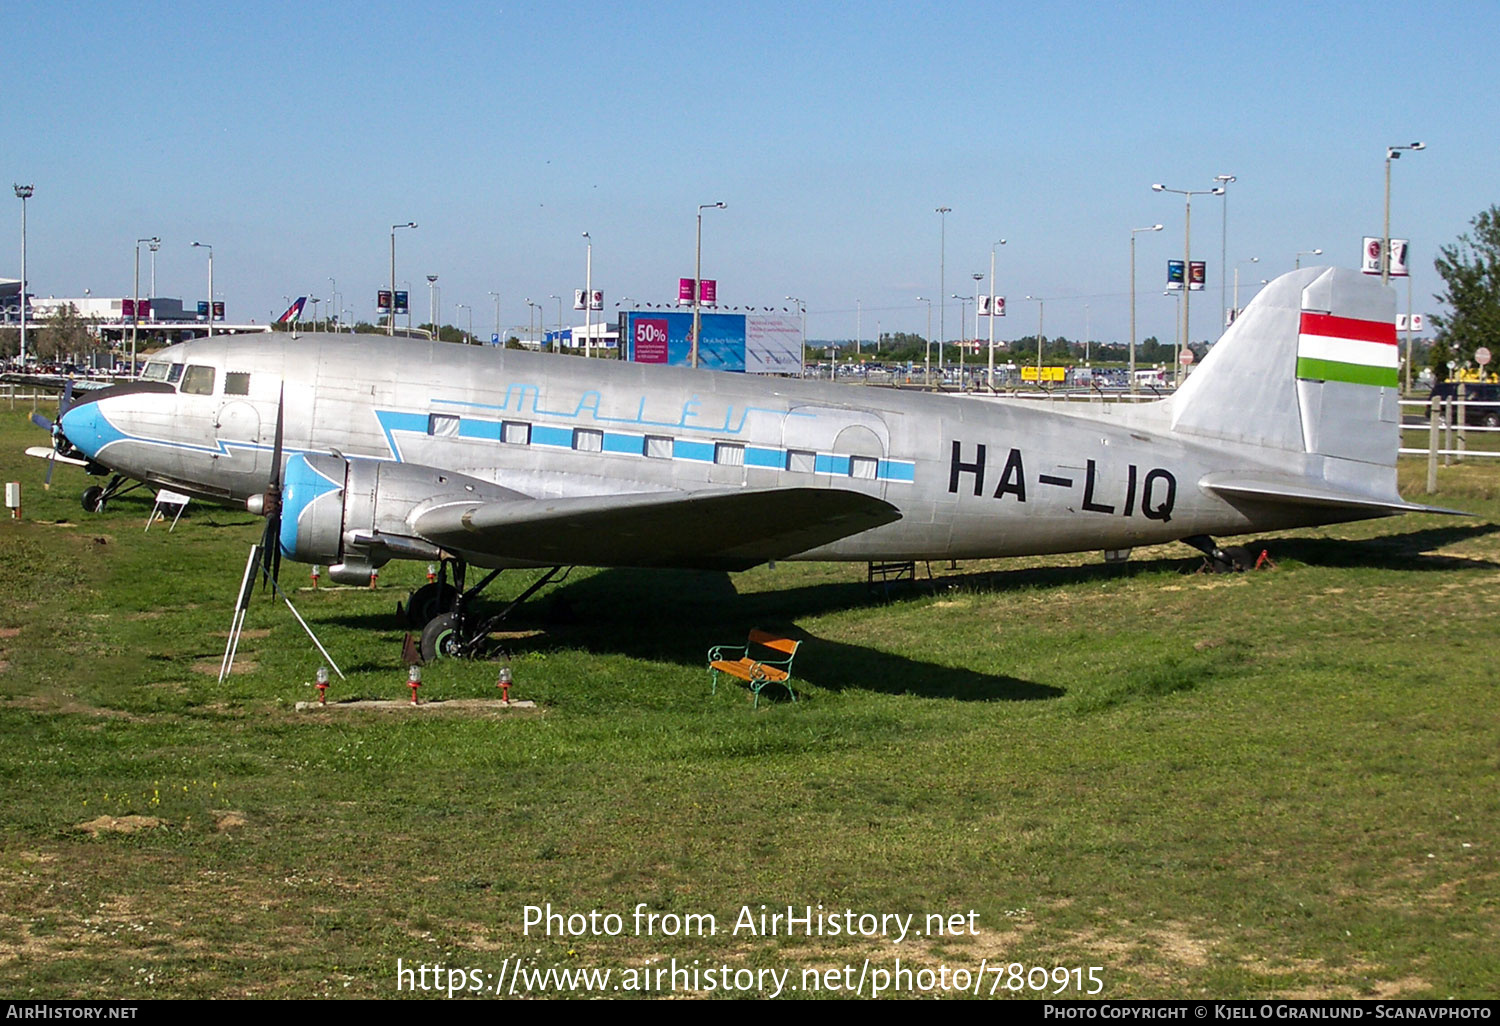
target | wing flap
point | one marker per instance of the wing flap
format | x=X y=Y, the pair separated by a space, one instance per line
x=725 y=530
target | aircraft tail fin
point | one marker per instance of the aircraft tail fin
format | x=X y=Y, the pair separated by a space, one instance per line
x=293 y=312
x=1309 y=368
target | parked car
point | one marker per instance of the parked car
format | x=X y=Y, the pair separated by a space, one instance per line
x=1476 y=397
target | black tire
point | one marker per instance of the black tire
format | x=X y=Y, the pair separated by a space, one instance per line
x=429 y=601
x=1491 y=419
x=93 y=499
x=440 y=638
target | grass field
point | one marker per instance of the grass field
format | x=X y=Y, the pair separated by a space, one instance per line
x=1276 y=783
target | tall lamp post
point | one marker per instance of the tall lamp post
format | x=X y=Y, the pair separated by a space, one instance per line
x=204 y=245
x=1305 y=252
x=1391 y=153
x=154 y=245
x=540 y=317
x=431 y=303
x=1041 y=314
x=135 y=309
x=802 y=349
x=1237 y=266
x=559 y=322
x=927 y=360
x=1187 y=257
x=1224 y=181
x=1133 y=233
x=998 y=243
x=698 y=278
x=963 y=318
x=942 y=213
x=391 y=320
x=23 y=193
x=333 y=305
x=496 y=297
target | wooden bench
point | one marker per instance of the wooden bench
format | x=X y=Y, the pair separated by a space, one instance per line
x=774 y=665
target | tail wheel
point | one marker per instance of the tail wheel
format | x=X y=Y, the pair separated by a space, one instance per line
x=93 y=499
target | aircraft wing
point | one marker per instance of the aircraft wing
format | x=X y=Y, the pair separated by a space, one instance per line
x=718 y=529
x=1278 y=490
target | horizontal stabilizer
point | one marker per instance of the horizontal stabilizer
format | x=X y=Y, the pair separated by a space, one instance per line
x=1275 y=489
x=721 y=530
x=44 y=452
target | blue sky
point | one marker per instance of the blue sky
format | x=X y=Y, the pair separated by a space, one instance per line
x=292 y=136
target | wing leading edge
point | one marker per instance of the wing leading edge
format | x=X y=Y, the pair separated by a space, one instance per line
x=717 y=530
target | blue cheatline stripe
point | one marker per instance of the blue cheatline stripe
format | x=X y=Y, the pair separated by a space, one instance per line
x=772 y=458
x=703 y=452
x=764 y=457
x=629 y=444
x=486 y=429
x=541 y=434
x=894 y=470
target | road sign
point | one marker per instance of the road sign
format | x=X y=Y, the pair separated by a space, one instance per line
x=494 y=338
x=1482 y=356
x=1186 y=357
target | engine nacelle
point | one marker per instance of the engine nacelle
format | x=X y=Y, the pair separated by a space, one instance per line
x=354 y=514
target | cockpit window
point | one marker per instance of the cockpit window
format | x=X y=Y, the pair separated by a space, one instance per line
x=154 y=371
x=198 y=380
x=174 y=373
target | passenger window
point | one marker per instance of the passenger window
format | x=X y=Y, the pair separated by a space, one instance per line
x=442 y=424
x=801 y=461
x=729 y=454
x=863 y=467
x=198 y=380
x=237 y=383
x=658 y=448
x=515 y=432
x=588 y=440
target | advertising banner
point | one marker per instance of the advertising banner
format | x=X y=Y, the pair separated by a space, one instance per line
x=999 y=306
x=984 y=306
x=1048 y=373
x=1399 y=248
x=1197 y=272
x=578 y=299
x=1371 y=262
x=219 y=310
x=596 y=300
x=1175 y=271
x=709 y=291
x=202 y=310
x=754 y=344
x=684 y=292
x=400 y=302
x=383 y=301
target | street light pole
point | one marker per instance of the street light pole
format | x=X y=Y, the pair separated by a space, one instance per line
x=204 y=245
x=431 y=303
x=963 y=318
x=135 y=309
x=496 y=297
x=559 y=323
x=999 y=242
x=23 y=193
x=1187 y=258
x=1305 y=252
x=154 y=245
x=1133 y=232
x=588 y=299
x=943 y=213
x=927 y=360
x=1391 y=153
x=1224 y=181
x=1041 y=313
x=391 y=317
x=1237 y=266
x=802 y=350
x=698 y=279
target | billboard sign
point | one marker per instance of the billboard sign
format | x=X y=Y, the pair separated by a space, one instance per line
x=752 y=344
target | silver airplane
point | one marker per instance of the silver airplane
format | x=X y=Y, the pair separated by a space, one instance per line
x=364 y=449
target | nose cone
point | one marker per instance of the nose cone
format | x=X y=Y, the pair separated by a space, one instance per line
x=86 y=426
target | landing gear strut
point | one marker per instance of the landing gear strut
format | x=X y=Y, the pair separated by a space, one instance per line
x=457 y=632
x=1221 y=561
x=95 y=498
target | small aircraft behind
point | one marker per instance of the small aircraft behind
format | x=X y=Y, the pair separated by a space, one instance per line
x=364 y=449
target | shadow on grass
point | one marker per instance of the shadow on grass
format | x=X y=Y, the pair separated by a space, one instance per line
x=1410 y=551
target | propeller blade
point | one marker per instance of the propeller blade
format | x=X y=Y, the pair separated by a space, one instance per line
x=270 y=566
x=51 y=462
x=43 y=422
x=275 y=484
x=65 y=402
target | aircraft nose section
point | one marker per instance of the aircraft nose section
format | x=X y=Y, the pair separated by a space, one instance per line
x=88 y=429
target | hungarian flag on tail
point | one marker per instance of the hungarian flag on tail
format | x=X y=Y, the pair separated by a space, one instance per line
x=1359 y=352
